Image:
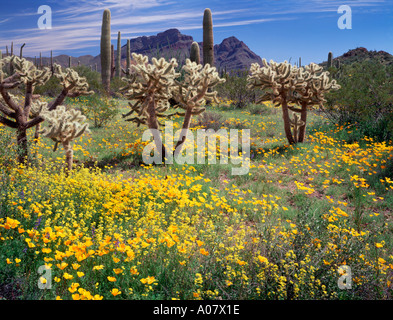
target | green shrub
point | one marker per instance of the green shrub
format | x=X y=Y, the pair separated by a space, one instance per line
x=235 y=89
x=51 y=88
x=93 y=78
x=365 y=99
x=100 y=110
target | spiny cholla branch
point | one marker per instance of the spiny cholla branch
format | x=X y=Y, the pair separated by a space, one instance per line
x=22 y=115
x=152 y=85
x=63 y=127
x=286 y=84
x=149 y=84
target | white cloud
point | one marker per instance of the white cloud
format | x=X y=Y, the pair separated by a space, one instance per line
x=77 y=23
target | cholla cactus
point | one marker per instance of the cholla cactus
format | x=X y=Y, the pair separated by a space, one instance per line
x=22 y=115
x=152 y=85
x=64 y=126
x=193 y=90
x=287 y=84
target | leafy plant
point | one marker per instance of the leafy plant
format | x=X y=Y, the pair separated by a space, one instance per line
x=235 y=89
x=365 y=99
x=99 y=109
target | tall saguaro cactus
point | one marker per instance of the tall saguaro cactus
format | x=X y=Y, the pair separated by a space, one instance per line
x=118 y=59
x=195 y=53
x=208 y=41
x=330 y=60
x=106 y=50
x=112 y=61
x=128 y=56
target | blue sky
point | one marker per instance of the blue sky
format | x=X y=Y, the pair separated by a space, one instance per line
x=274 y=29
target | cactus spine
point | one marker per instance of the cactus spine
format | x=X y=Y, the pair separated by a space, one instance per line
x=208 y=41
x=195 y=53
x=106 y=50
x=118 y=59
x=330 y=60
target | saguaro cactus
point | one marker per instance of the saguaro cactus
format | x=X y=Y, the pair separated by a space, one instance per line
x=128 y=56
x=195 y=53
x=106 y=50
x=330 y=60
x=21 y=51
x=208 y=40
x=112 y=61
x=64 y=126
x=286 y=84
x=27 y=76
x=118 y=59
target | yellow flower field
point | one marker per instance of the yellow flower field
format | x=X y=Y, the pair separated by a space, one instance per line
x=174 y=232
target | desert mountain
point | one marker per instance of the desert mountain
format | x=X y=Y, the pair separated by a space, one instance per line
x=362 y=54
x=231 y=54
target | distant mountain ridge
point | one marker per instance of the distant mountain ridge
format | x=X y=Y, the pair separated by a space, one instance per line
x=362 y=54
x=231 y=54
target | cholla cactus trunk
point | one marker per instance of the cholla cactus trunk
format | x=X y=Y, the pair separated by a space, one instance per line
x=118 y=59
x=195 y=53
x=287 y=124
x=37 y=132
x=208 y=41
x=106 y=50
x=69 y=152
x=303 y=118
